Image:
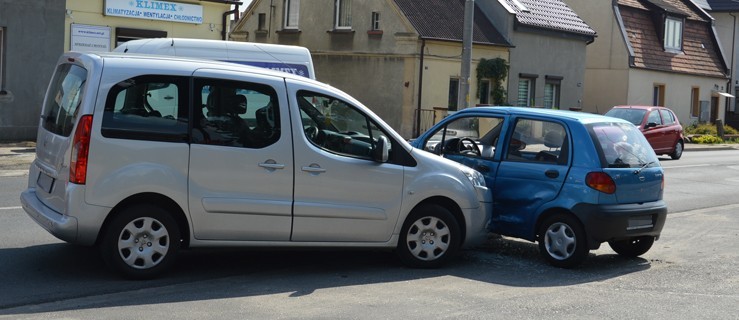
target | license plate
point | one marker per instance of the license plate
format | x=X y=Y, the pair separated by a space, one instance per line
x=643 y=222
x=45 y=182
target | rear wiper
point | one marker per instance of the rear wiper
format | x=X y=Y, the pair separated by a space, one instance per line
x=637 y=171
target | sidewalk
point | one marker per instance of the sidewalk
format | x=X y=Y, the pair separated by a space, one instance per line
x=15 y=158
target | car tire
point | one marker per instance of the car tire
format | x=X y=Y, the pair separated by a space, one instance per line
x=141 y=242
x=632 y=247
x=429 y=238
x=562 y=241
x=678 y=151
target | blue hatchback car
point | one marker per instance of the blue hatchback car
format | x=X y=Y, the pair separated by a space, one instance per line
x=567 y=180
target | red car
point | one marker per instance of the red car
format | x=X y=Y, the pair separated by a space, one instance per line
x=659 y=125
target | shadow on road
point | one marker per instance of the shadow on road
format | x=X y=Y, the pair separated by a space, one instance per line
x=39 y=279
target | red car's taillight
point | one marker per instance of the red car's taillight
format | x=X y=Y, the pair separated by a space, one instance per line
x=600 y=181
x=80 y=150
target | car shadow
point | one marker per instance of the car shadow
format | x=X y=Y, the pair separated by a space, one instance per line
x=36 y=278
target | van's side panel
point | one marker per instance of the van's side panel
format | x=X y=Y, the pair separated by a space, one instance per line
x=132 y=164
x=241 y=192
x=352 y=199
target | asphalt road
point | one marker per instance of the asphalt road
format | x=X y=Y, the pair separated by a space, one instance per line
x=690 y=273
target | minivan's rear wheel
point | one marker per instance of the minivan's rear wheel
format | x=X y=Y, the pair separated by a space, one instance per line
x=141 y=242
x=430 y=237
x=632 y=247
x=678 y=151
x=562 y=241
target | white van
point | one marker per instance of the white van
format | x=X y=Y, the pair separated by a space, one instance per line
x=145 y=155
x=290 y=59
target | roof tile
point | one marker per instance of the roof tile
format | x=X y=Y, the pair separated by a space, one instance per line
x=550 y=14
x=699 y=56
x=444 y=20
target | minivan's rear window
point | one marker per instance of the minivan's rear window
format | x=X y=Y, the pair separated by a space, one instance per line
x=63 y=99
x=622 y=145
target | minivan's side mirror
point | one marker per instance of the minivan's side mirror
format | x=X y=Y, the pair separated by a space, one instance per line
x=381 y=152
x=650 y=125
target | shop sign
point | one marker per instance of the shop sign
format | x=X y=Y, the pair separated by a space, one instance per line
x=89 y=38
x=155 y=10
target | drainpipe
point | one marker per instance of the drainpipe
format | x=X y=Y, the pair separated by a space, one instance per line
x=420 y=89
x=732 y=78
x=235 y=12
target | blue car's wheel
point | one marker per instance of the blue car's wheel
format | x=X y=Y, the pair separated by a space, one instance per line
x=562 y=241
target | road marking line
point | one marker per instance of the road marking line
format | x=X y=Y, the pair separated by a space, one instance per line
x=704 y=210
x=688 y=166
x=11 y=208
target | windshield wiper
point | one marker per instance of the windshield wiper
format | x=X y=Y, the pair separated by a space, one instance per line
x=637 y=171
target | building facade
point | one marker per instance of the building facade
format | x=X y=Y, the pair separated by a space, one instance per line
x=547 y=59
x=33 y=33
x=650 y=52
x=400 y=58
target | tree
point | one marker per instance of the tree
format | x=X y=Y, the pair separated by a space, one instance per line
x=497 y=70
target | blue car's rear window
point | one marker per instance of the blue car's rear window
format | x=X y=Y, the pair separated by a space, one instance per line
x=622 y=145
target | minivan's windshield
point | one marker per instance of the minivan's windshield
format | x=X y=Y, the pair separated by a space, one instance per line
x=622 y=145
x=63 y=99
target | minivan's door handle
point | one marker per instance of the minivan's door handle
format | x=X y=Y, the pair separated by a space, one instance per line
x=551 y=173
x=313 y=168
x=483 y=168
x=271 y=165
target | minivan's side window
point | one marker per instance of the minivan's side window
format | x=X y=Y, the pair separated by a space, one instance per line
x=469 y=136
x=538 y=141
x=150 y=107
x=235 y=113
x=64 y=99
x=334 y=125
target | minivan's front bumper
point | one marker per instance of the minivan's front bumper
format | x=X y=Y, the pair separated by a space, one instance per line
x=615 y=222
x=80 y=229
x=477 y=225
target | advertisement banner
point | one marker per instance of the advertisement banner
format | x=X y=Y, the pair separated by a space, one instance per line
x=89 y=38
x=155 y=10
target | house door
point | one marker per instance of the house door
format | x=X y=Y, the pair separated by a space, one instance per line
x=714 y=109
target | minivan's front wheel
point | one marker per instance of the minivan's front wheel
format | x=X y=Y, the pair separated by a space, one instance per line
x=562 y=241
x=430 y=237
x=632 y=247
x=141 y=242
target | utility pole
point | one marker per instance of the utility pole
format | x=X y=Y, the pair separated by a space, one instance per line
x=463 y=99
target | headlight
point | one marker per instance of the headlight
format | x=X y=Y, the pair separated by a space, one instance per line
x=475 y=177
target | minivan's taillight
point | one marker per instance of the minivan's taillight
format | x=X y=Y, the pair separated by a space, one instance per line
x=600 y=181
x=80 y=150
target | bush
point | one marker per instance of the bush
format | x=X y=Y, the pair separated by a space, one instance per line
x=707 y=128
x=707 y=139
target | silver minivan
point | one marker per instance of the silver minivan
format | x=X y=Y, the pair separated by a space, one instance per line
x=145 y=155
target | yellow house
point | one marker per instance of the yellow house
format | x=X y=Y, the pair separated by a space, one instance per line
x=102 y=25
x=401 y=58
x=34 y=33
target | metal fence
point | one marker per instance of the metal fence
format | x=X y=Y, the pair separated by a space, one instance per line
x=428 y=117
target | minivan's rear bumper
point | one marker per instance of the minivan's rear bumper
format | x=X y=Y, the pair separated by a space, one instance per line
x=72 y=229
x=615 y=222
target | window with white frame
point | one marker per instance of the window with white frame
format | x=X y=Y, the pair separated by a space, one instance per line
x=292 y=9
x=673 y=33
x=525 y=92
x=551 y=92
x=343 y=14
x=375 y=20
